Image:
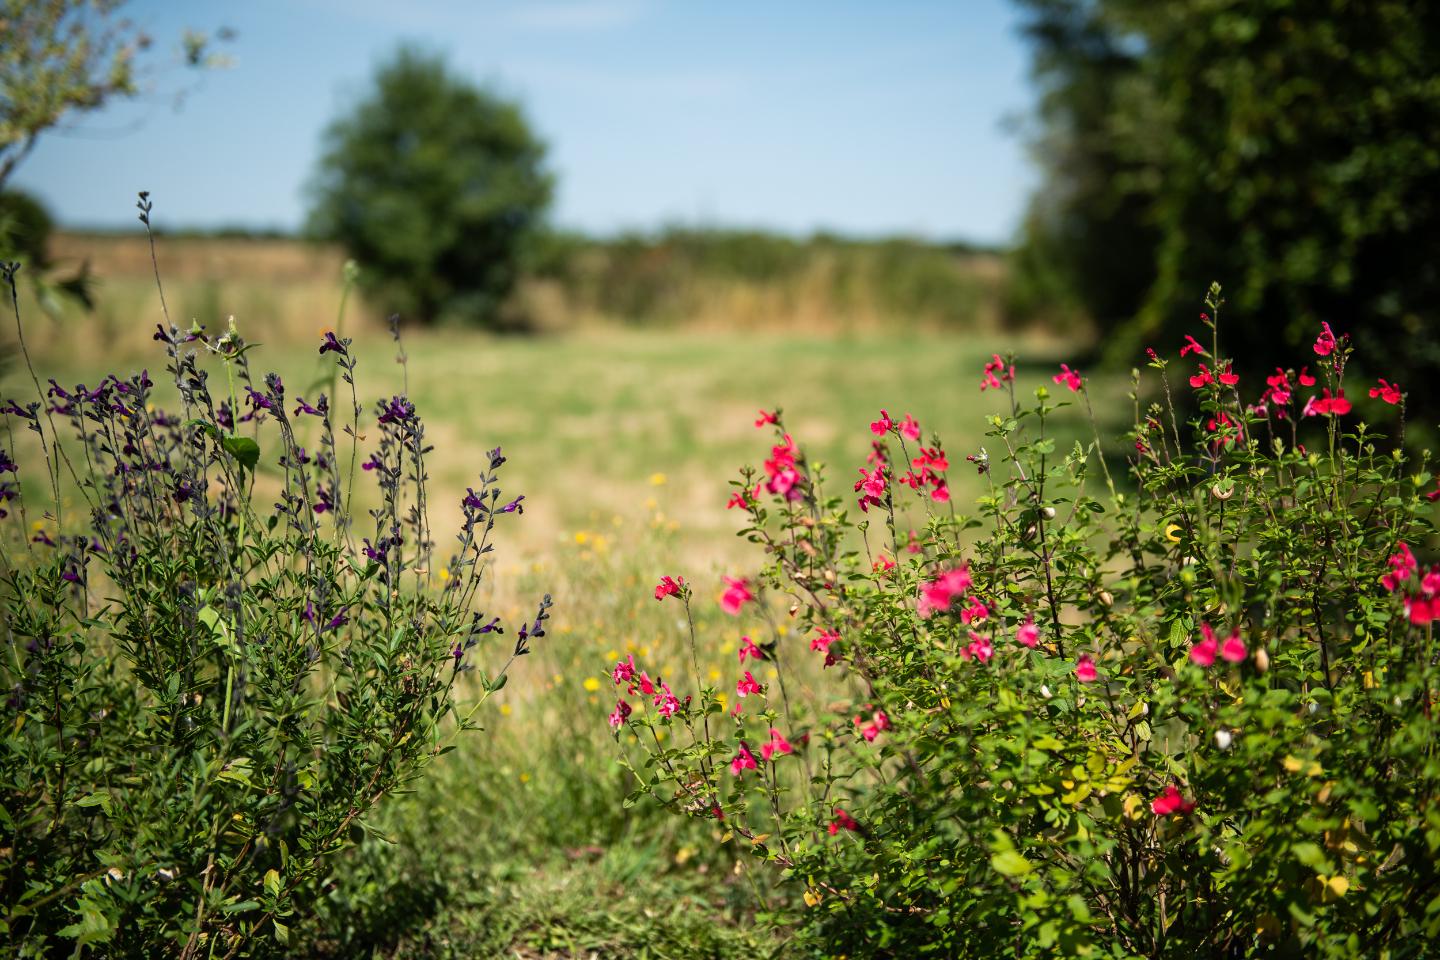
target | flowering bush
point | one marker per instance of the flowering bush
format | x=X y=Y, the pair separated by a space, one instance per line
x=1187 y=709
x=211 y=676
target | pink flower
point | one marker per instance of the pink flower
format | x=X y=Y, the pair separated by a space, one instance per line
x=1028 y=635
x=617 y=717
x=1325 y=343
x=776 y=746
x=882 y=426
x=996 y=365
x=669 y=587
x=910 y=429
x=1402 y=564
x=740 y=498
x=1085 y=669
x=1277 y=389
x=871 y=487
x=1233 y=649
x=1171 y=801
x=1421 y=611
x=1229 y=377
x=938 y=593
x=1203 y=653
x=877 y=725
x=842 y=821
x=744 y=760
x=1192 y=346
x=747 y=685
x=624 y=670
x=1328 y=405
x=980 y=647
x=784 y=477
x=975 y=611
x=737 y=594
x=767 y=418
x=823 y=640
x=748 y=649
x=647 y=686
x=666 y=701
x=1304 y=377
x=1068 y=377
x=1389 y=392
x=1202 y=378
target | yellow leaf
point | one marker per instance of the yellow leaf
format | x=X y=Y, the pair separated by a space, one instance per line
x=812 y=898
x=1172 y=532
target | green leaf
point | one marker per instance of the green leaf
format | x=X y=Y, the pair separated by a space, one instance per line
x=1011 y=863
x=243 y=449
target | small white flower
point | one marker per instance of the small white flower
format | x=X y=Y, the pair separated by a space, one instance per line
x=1223 y=739
x=1045 y=691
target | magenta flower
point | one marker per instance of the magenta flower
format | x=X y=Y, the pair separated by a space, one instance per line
x=980 y=647
x=823 y=640
x=747 y=685
x=776 y=746
x=744 y=760
x=1171 y=801
x=1028 y=635
x=1203 y=653
x=617 y=717
x=1402 y=565
x=996 y=366
x=1192 y=346
x=748 y=649
x=1325 y=343
x=1233 y=649
x=842 y=821
x=767 y=418
x=1387 y=391
x=939 y=593
x=871 y=487
x=670 y=587
x=1068 y=377
x=882 y=426
x=877 y=724
x=624 y=671
x=910 y=428
x=1085 y=669
x=737 y=594
x=666 y=702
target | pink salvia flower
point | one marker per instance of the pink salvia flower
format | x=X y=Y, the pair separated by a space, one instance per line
x=776 y=746
x=1171 y=801
x=1325 y=343
x=1068 y=377
x=1387 y=391
x=877 y=725
x=666 y=701
x=842 y=821
x=1202 y=378
x=1402 y=564
x=766 y=418
x=1203 y=653
x=883 y=425
x=980 y=647
x=910 y=428
x=871 y=487
x=1028 y=635
x=1192 y=346
x=748 y=649
x=1229 y=377
x=737 y=594
x=1233 y=649
x=975 y=611
x=1306 y=380
x=823 y=640
x=744 y=760
x=669 y=587
x=646 y=685
x=940 y=592
x=747 y=685
x=624 y=670
x=1085 y=669
x=617 y=717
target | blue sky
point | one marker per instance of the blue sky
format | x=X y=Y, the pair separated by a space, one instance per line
x=860 y=117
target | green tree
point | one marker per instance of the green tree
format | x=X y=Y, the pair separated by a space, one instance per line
x=436 y=187
x=1290 y=150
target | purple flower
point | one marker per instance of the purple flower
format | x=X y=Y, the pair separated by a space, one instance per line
x=372 y=463
x=398 y=410
x=332 y=345
x=302 y=407
x=514 y=505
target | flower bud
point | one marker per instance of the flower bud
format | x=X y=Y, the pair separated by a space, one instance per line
x=1105 y=598
x=1049 y=512
x=1223 y=739
x=1262 y=660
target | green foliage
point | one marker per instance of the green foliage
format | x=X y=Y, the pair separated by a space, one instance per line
x=1290 y=149
x=1187 y=715
x=212 y=682
x=436 y=187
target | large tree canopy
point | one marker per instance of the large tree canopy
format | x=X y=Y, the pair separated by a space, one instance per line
x=1288 y=149
x=436 y=187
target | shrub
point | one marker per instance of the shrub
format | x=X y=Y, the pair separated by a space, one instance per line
x=212 y=680
x=1187 y=710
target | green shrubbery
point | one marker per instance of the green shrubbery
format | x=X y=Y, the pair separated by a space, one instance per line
x=214 y=672
x=1183 y=712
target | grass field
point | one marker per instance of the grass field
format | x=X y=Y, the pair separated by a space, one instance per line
x=623 y=442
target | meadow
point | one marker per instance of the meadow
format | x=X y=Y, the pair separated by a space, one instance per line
x=623 y=440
